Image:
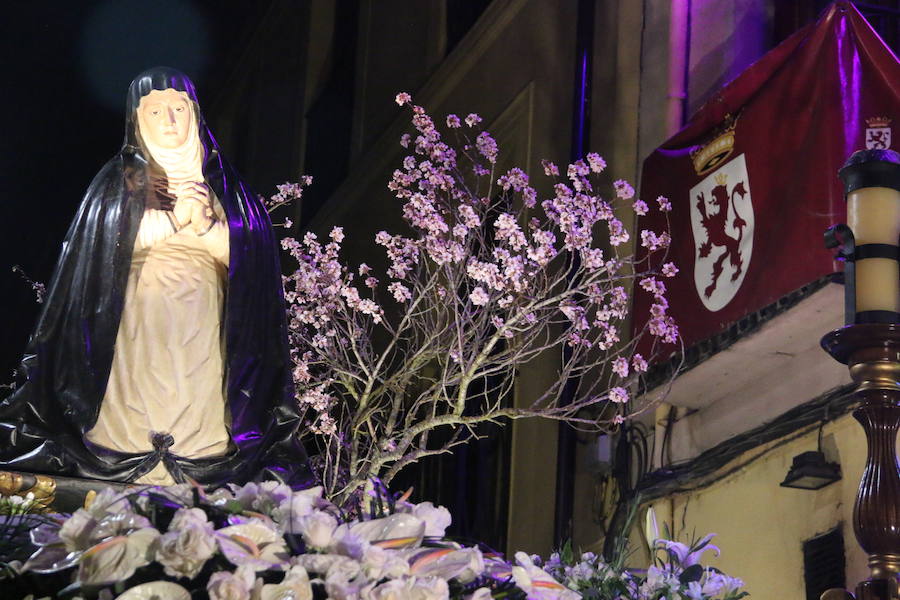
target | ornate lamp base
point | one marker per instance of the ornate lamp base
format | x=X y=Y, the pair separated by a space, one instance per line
x=872 y=353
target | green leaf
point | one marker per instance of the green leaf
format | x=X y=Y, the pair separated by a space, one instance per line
x=692 y=573
x=566 y=554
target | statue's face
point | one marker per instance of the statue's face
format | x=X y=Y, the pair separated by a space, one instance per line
x=165 y=117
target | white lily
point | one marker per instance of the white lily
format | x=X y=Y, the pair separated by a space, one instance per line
x=651 y=528
x=659 y=579
x=108 y=516
x=117 y=558
x=347 y=543
x=253 y=545
x=378 y=563
x=344 y=580
x=156 y=590
x=537 y=583
x=298 y=505
x=686 y=555
x=317 y=529
x=325 y=564
x=464 y=564
x=294 y=586
x=409 y=588
x=224 y=585
x=437 y=518
x=188 y=544
x=394 y=531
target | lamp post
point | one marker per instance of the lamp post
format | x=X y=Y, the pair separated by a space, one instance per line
x=869 y=344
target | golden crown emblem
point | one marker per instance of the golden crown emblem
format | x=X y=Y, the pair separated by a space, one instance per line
x=708 y=157
x=721 y=178
x=878 y=122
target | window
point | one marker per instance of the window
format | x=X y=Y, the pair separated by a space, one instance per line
x=823 y=563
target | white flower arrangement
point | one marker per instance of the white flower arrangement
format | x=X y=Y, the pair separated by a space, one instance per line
x=263 y=542
x=675 y=575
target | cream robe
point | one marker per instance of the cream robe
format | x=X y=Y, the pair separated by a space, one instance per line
x=168 y=365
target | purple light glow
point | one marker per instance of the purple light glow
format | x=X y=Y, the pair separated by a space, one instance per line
x=582 y=106
x=849 y=66
x=247 y=437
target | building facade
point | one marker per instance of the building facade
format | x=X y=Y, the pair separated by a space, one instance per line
x=314 y=94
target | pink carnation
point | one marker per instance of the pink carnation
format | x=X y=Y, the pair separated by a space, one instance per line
x=617 y=233
x=529 y=196
x=515 y=179
x=623 y=189
x=619 y=395
x=669 y=269
x=470 y=217
x=653 y=242
x=639 y=364
x=487 y=146
x=640 y=207
x=479 y=297
x=596 y=162
x=592 y=258
x=400 y=292
x=653 y=285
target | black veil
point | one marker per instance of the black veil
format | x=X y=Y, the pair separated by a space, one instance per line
x=69 y=354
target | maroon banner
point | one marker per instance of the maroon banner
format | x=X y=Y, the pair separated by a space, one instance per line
x=752 y=177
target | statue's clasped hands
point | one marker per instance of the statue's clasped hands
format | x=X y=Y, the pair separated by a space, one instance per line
x=193 y=206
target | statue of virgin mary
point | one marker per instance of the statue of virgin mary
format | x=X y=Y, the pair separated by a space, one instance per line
x=161 y=352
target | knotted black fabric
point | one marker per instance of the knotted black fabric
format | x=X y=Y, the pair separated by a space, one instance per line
x=69 y=354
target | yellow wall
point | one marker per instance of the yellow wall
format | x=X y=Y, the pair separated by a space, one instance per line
x=761 y=526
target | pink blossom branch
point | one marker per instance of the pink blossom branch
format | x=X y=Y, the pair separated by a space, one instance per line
x=489 y=281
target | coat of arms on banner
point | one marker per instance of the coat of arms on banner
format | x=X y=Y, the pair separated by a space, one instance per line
x=722 y=222
x=711 y=155
x=878 y=133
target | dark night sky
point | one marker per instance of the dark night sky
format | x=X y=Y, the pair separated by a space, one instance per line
x=67 y=66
